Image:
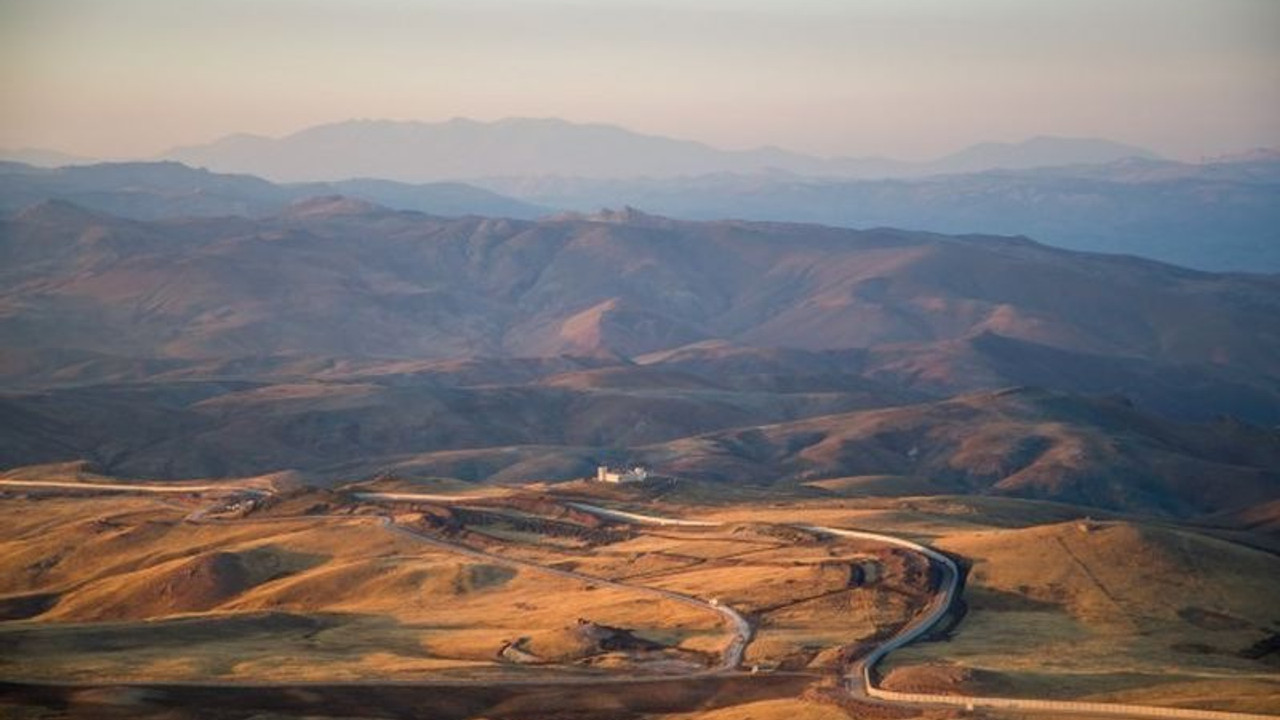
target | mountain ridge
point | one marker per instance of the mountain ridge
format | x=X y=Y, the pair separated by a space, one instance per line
x=463 y=149
x=155 y=190
x=623 y=283
x=1218 y=216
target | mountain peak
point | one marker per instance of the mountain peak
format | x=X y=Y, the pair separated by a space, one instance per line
x=629 y=216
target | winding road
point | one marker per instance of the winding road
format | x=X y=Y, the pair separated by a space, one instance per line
x=859 y=679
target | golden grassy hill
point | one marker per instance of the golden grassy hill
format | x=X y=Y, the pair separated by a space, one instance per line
x=1087 y=608
x=1125 y=572
x=121 y=587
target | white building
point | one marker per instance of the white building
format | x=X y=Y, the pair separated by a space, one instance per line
x=606 y=475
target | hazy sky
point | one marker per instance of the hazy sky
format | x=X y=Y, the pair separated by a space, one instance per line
x=907 y=78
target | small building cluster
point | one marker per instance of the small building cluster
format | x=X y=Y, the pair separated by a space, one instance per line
x=606 y=474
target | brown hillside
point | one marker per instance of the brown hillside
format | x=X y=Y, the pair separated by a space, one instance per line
x=177 y=429
x=1025 y=443
x=428 y=287
x=1119 y=611
x=196 y=584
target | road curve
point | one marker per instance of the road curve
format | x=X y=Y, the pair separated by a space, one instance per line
x=860 y=676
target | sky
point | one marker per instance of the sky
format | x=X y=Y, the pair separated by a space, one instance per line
x=911 y=79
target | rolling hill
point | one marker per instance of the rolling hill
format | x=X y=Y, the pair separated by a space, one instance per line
x=1020 y=442
x=1142 y=613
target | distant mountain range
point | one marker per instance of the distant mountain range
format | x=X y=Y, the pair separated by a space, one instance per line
x=1083 y=194
x=467 y=149
x=1222 y=215
x=148 y=191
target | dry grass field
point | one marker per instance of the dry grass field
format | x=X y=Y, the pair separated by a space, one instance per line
x=315 y=587
x=120 y=588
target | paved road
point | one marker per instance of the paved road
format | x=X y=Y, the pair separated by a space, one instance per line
x=638 y=518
